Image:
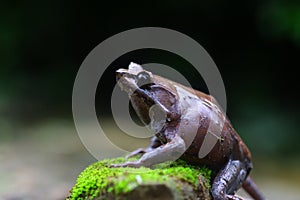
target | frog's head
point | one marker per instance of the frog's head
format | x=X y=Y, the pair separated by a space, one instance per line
x=152 y=97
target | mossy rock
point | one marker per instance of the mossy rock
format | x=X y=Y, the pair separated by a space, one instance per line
x=170 y=180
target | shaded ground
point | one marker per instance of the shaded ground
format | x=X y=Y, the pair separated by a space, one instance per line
x=42 y=162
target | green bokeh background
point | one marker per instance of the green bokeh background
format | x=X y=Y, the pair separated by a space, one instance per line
x=255 y=44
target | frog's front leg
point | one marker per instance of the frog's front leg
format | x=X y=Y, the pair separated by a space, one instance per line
x=228 y=180
x=155 y=142
x=167 y=152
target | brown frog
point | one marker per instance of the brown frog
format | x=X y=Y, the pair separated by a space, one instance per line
x=189 y=125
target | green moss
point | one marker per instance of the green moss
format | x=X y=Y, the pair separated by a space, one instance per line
x=99 y=179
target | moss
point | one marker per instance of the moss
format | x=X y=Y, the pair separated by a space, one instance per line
x=100 y=180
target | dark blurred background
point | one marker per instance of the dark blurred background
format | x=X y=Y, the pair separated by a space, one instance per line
x=255 y=44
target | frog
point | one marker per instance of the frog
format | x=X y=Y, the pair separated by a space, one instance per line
x=190 y=125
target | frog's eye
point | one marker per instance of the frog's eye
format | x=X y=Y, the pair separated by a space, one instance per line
x=143 y=78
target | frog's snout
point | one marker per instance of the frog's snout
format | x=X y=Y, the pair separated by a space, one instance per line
x=120 y=73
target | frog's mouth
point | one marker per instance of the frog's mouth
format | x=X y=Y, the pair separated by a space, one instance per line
x=138 y=87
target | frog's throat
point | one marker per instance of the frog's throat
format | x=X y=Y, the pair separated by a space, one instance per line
x=151 y=100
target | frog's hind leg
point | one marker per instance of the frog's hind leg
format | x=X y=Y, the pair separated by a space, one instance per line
x=228 y=180
x=155 y=142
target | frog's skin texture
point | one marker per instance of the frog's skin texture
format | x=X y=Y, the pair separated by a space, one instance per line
x=182 y=120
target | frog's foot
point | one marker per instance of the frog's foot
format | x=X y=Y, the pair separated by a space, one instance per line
x=137 y=152
x=155 y=142
x=127 y=164
x=168 y=152
x=228 y=180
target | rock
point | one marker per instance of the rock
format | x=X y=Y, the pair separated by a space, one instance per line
x=167 y=181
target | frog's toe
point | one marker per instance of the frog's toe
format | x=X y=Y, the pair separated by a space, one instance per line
x=126 y=164
x=116 y=165
x=135 y=153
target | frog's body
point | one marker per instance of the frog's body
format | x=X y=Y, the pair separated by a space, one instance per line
x=189 y=125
